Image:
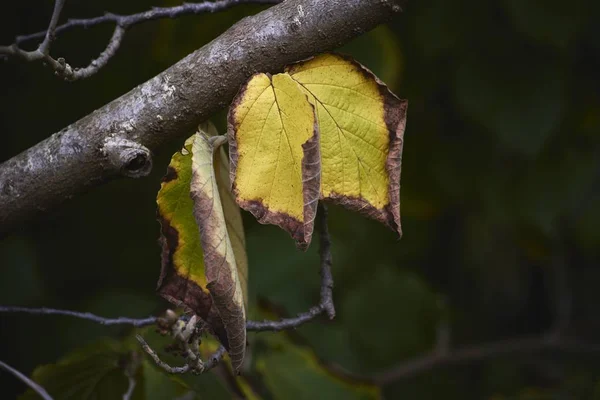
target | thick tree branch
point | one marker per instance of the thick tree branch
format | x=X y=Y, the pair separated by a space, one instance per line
x=172 y=104
x=34 y=386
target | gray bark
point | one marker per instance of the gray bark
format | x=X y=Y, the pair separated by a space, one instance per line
x=174 y=102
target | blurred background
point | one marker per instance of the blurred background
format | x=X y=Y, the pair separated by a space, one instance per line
x=500 y=204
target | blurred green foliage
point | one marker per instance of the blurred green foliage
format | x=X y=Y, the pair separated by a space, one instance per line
x=500 y=183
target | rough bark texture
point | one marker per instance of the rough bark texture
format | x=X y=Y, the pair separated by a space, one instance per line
x=170 y=105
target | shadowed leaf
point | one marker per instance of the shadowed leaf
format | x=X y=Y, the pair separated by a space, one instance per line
x=219 y=259
x=294 y=372
x=94 y=372
x=200 y=267
x=273 y=145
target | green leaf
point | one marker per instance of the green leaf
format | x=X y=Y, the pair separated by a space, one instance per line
x=294 y=372
x=157 y=385
x=95 y=372
x=391 y=316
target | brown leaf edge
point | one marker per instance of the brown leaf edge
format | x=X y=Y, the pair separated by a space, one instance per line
x=311 y=181
x=395 y=120
x=178 y=290
x=217 y=267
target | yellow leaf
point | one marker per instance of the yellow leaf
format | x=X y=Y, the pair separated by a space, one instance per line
x=361 y=125
x=273 y=139
x=182 y=279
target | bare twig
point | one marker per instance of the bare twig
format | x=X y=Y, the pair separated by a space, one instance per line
x=469 y=354
x=185 y=332
x=326 y=302
x=51 y=31
x=553 y=340
x=122 y=22
x=145 y=16
x=139 y=322
x=159 y=362
x=131 y=368
x=34 y=386
x=215 y=359
x=131 y=383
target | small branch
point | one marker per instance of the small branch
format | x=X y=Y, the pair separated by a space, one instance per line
x=82 y=315
x=111 y=49
x=122 y=22
x=326 y=262
x=130 y=388
x=326 y=301
x=131 y=368
x=215 y=359
x=34 y=386
x=51 y=31
x=155 y=13
x=482 y=352
x=159 y=362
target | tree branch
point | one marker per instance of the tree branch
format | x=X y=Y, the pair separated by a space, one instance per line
x=155 y=13
x=51 y=31
x=138 y=323
x=326 y=302
x=469 y=354
x=122 y=23
x=187 y=332
x=325 y=305
x=443 y=356
x=34 y=386
x=172 y=104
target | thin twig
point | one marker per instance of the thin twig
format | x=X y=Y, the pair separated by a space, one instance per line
x=326 y=296
x=145 y=16
x=482 y=352
x=214 y=360
x=159 y=362
x=122 y=22
x=111 y=49
x=34 y=386
x=131 y=383
x=136 y=322
x=51 y=31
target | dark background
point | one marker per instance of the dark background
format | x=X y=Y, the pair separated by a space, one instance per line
x=500 y=198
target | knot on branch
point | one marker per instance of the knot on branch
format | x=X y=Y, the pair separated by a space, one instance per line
x=130 y=158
